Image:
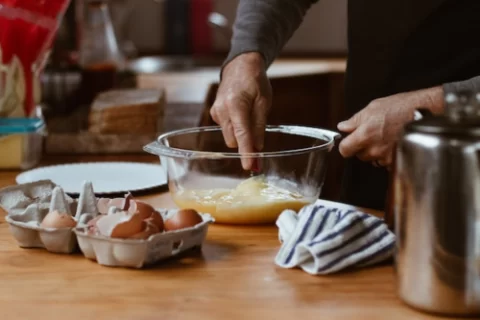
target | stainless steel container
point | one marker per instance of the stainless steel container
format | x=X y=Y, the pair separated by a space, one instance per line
x=437 y=210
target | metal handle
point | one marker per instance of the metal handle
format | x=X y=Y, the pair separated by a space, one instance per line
x=152 y=147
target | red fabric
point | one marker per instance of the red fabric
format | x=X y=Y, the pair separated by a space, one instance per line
x=27 y=30
x=202 y=41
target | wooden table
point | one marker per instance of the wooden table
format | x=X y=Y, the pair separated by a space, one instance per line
x=233 y=277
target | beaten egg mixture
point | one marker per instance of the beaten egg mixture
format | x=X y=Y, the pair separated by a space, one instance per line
x=253 y=201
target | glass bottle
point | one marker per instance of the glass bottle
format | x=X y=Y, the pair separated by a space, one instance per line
x=99 y=58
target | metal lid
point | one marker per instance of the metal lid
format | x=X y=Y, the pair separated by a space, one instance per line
x=21 y=125
x=443 y=125
x=461 y=117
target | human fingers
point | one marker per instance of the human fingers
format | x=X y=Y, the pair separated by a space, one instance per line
x=377 y=155
x=389 y=158
x=259 y=122
x=229 y=135
x=239 y=111
x=351 y=124
x=220 y=116
x=353 y=143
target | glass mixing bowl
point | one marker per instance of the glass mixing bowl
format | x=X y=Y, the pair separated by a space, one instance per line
x=205 y=175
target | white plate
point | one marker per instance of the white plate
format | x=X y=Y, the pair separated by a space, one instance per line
x=106 y=177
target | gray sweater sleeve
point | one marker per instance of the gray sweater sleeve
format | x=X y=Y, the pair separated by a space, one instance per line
x=472 y=85
x=265 y=26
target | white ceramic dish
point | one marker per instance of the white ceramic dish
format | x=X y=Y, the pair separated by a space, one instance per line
x=107 y=177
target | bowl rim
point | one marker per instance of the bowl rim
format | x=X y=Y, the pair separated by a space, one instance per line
x=159 y=147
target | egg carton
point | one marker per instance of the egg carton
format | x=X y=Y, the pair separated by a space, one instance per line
x=138 y=253
x=28 y=204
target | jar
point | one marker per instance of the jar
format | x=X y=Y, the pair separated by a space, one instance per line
x=21 y=142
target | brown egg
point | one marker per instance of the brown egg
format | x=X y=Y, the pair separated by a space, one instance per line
x=150 y=229
x=184 y=218
x=120 y=225
x=57 y=220
x=156 y=219
x=143 y=209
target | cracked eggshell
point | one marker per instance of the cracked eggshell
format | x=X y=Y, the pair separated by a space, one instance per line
x=148 y=230
x=120 y=225
x=138 y=253
x=156 y=218
x=127 y=204
x=143 y=209
x=105 y=204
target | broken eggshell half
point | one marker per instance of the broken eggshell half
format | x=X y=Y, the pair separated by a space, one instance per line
x=125 y=218
x=128 y=203
x=46 y=221
x=138 y=249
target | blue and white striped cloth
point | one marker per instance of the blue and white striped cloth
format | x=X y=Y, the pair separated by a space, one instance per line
x=322 y=239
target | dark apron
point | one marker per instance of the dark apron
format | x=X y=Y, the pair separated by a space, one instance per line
x=399 y=46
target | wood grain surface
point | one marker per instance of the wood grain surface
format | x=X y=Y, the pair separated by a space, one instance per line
x=232 y=277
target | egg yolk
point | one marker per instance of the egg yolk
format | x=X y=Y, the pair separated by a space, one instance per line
x=253 y=201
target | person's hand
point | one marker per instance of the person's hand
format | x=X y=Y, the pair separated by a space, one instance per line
x=242 y=104
x=373 y=131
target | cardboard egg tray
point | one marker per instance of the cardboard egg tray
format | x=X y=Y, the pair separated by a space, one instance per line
x=27 y=204
x=135 y=253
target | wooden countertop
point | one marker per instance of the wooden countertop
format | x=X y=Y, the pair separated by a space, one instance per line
x=191 y=86
x=233 y=277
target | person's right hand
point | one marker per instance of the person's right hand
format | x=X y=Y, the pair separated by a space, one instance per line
x=243 y=101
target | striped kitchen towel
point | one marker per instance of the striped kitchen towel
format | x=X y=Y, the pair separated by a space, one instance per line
x=323 y=240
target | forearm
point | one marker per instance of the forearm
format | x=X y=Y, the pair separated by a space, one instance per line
x=434 y=97
x=264 y=26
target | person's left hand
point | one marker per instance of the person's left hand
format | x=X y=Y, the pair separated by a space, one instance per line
x=374 y=130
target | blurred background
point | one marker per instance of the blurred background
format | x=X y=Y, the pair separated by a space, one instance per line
x=322 y=33
x=147 y=23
